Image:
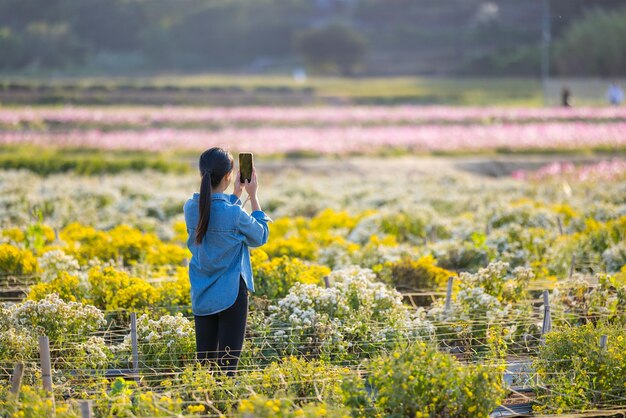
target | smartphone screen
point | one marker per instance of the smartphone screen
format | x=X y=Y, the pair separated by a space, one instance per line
x=245 y=166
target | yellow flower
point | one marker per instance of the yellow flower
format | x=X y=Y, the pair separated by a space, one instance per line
x=471 y=408
x=195 y=408
x=246 y=406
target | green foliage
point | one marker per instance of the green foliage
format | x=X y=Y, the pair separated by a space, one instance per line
x=111 y=289
x=464 y=256
x=16 y=261
x=576 y=301
x=524 y=60
x=354 y=318
x=202 y=385
x=167 y=342
x=70 y=327
x=409 y=273
x=577 y=374
x=595 y=243
x=57 y=319
x=308 y=238
x=594 y=45
x=418 y=381
x=175 y=294
x=34 y=402
x=412 y=227
x=41 y=44
x=294 y=386
x=122 y=243
x=299 y=378
x=67 y=287
x=487 y=312
x=332 y=47
x=123 y=398
x=49 y=162
x=273 y=278
x=120 y=35
x=260 y=406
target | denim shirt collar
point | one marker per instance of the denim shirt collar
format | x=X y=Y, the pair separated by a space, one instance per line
x=222 y=196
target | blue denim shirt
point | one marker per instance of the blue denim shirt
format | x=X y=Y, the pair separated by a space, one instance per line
x=223 y=255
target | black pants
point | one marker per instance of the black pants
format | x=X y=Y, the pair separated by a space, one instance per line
x=220 y=336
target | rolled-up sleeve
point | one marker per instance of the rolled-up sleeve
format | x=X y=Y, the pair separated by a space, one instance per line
x=254 y=227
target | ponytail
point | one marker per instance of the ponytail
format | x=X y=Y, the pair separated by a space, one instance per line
x=204 y=206
x=214 y=164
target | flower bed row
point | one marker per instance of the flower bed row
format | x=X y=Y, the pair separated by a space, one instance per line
x=343 y=140
x=147 y=116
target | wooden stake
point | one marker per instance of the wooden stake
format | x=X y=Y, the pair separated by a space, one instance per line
x=572 y=265
x=86 y=410
x=560 y=224
x=449 y=294
x=547 y=316
x=603 y=341
x=46 y=367
x=16 y=378
x=135 y=347
x=327 y=281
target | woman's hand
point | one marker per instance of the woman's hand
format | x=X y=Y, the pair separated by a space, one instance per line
x=251 y=188
x=238 y=185
x=252 y=185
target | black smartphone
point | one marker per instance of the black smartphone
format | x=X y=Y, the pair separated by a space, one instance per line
x=246 y=165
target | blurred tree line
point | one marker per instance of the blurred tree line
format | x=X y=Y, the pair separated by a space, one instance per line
x=475 y=37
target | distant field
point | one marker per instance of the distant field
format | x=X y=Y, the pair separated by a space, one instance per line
x=396 y=89
x=241 y=90
x=269 y=90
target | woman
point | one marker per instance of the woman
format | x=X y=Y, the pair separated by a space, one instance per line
x=220 y=232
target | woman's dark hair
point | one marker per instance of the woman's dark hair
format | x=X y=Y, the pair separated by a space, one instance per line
x=215 y=163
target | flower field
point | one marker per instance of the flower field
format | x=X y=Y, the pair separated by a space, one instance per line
x=370 y=115
x=350 y=316
x=357 y=140
x=345 y=130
